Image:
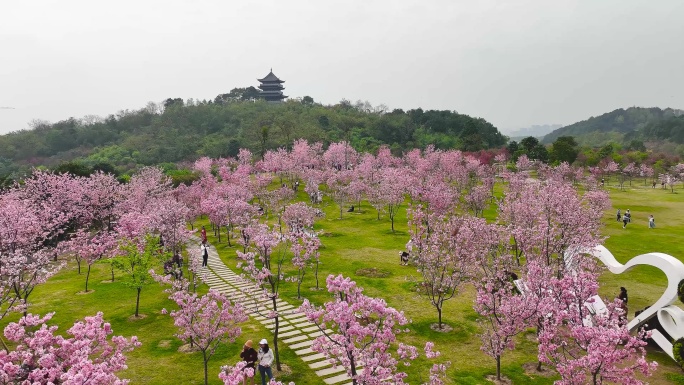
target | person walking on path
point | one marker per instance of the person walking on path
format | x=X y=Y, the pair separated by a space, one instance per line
x=265 y=356
x=249 y=355
x=619 y=215
x=205 y=253
x=651 y=222
x=203 y=232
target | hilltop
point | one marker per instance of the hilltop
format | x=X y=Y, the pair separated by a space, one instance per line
x=182 y=130
x=622 y=126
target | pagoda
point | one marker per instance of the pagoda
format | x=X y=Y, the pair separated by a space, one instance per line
x=272 y=88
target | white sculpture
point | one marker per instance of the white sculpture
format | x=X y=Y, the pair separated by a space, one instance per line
x=670 y=316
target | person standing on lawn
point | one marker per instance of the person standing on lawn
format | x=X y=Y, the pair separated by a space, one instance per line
x=249 y=355
x=266 y=358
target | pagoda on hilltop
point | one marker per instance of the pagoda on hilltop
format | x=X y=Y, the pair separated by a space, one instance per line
x=272 y=88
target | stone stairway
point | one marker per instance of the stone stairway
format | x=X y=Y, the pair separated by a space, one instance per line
x=295 y=330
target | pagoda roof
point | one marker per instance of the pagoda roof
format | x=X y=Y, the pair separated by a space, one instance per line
x=271 y=78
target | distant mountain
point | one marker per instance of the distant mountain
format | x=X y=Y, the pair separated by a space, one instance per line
x=621 y=126
x=537 y=130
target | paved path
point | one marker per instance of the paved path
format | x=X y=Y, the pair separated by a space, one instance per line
x=295 y=330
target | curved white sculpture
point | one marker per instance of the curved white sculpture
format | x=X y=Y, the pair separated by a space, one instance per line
x=671 y=317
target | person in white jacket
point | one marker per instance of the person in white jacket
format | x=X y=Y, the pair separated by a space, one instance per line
x=266 y=358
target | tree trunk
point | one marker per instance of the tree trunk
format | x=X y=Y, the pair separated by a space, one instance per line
x=392 y=219
x=228 y=236
x=112 y=272
x=341 y=211
x=498 y=368
x=352 y=367
x=206 y=370
x=439 y=314
x=87 y=276
x=275 y=334
x=137 y=303
x=316 y=273
x=78 y=262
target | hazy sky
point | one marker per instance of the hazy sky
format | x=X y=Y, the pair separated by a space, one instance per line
x=514 y=63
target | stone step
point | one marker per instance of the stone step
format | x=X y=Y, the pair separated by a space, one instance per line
x=305 y=344
x=295 y=339
x=290 y=333
x=304 y=352
x=329 y=371
x=313 y=357
x=320 y=364
x=336 y=379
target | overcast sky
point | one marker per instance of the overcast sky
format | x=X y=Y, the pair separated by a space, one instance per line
x=514 y=63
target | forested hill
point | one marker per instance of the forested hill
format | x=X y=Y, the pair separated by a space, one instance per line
x=181 y=130
x=623 y=126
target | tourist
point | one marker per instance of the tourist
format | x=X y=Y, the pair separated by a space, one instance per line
x=249 y=355
x=204 y=234
x=654 y=184
x=205 y=253
x=619 y=215
x=625 y=219
x=651 y=222
x=265 y=356
x=623 y=304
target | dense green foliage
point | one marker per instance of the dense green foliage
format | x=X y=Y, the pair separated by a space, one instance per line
x=185 y=130
x=624 y=126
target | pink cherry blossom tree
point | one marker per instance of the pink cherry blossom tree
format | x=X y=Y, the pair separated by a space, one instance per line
x=207 y=320
x=585 y=345
x=91 y=248
x=388 y=193
x=338 y=187
x=364 y=331
x=645 y=172
x=304 y=247
x=443 y=251
x=265 y=266
x=89 y=356
x=299 y=217
x=503 y=311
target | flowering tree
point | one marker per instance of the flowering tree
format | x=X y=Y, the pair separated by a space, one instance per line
x=305 y=248
x=364 y=330
x=41 y=357
x=338 y=186
x=504 y=312
x=388 y=193
x=135 y=258
x=298 y=217
x=265 y=266
x=207 y=321
x=91 y=248
x=587 y=346
x=443 y=253
x=24 y=260
x=216 y=209
x=645 y=172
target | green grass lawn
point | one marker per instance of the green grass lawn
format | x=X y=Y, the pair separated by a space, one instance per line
x=360 y=241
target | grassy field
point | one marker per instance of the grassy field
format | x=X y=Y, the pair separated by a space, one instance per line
x=351 y=246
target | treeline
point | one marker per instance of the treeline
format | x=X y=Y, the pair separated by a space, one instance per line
x=179 y=130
